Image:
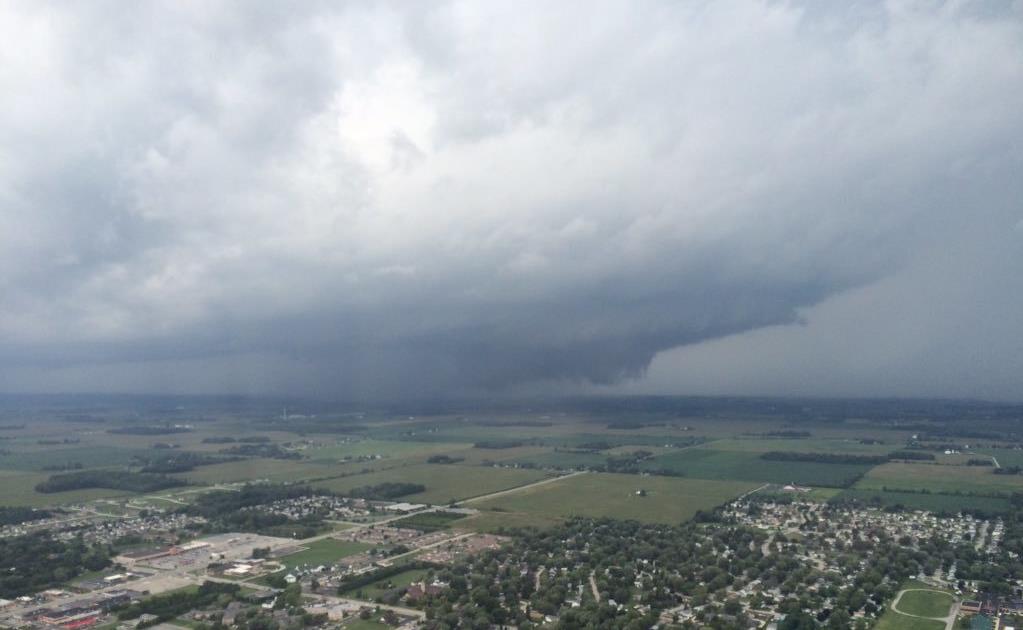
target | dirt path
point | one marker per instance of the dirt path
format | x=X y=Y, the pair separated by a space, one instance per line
x=593 y=587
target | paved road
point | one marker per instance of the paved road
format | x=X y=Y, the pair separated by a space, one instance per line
x=948 y=620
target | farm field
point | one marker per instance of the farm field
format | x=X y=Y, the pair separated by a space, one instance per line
x=252 y=469
x=60 y=455
x=385 y=449
x=939 y=478
x=708 y=463
x=494 y=522
x=443 y=482
x=323 y=552
x=807 y=445
x=668 y=500
x=18 y=488
x=931 y=502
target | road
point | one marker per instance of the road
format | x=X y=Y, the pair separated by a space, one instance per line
x=593 y=587
x=484 y=497
x=948 y=620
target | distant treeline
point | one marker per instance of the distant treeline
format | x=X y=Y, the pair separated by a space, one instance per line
x=443 y=459
x=499 y=444
x=111 y=479
x=16 y=515
x=63 y=467
x=271 y=451
x=912 y=455
x=178 y=462
x=386 y=491
x=149 y=430
x=793 y=435
x=11 y=427
x=824 y=458
x=84 y=419
x=518 y=423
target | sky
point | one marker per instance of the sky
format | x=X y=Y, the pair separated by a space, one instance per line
x=370 y=200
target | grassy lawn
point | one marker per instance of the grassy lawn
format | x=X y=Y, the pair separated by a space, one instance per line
x=376 y=589
x=430 y=521
x=499 y=522
x=365 y=624
x=711 y=463
x=892 y=620
x=668 y=500
x=926 y=603
x=939 y=478
x=323 y=552
x=443 y=482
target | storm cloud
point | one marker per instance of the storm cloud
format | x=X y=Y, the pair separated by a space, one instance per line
x=381 y=199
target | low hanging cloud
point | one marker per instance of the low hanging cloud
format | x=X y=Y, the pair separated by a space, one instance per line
x=376 y=199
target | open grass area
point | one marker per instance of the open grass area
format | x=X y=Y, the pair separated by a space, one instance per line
x=385 y=449
x=18 y=488
x=930 y=502
x=376 y=589
x=808 y=445
x=429 y=521
x=492 y=522
x=443 y=482
x=365 y=624
x=938 y=478
x=926 y=603
x=892 y=620
x=62 y=455
x=667 y=500
x=253 y=469
x=708 y=463
x=323 y=552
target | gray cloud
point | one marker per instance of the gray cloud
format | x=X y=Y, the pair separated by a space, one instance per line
x=388 y=199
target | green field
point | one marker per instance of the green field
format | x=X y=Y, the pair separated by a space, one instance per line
x=668 y=500
x=376 y=589
x=429 y=521
x=323 y=552
x=709 y=463
x=500 y=522
x=892 y=620
x=808 y=445
x=252 y=469
x=365 y=624
x=18 y=488
x=938 y=478
x=563 y=460
x=926 y=603
x=385 y=449
x=930 y=502
x=443 y=482
x=87 y=456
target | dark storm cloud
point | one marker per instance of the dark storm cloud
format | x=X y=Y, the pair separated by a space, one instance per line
x=388 y=199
